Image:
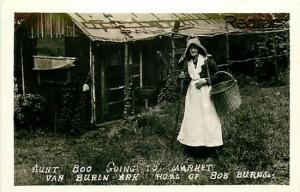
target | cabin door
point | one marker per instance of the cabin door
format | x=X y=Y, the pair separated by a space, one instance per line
x=114 y=82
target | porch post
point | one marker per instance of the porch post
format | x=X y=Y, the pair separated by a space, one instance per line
x=141 y=68
x=126 y=66
x=127 y=93
x=227 y=47
x=93 y=99
x=173 y=52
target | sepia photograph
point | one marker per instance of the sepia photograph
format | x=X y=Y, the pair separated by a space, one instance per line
x=182 y=98
x=149 y=96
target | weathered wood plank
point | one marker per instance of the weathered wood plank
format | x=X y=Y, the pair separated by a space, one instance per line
x=141 y=68
x=116 y=88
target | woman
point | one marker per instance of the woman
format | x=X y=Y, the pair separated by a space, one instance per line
x=201 y=127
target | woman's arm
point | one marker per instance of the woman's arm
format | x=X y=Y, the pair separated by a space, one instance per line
x=212 y=70
x=201 y=82
x=183 y=78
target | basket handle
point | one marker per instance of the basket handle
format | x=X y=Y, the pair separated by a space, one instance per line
x=224 y=72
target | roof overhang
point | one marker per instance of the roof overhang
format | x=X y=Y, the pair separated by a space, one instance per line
x=125 y=27
x=42 y=63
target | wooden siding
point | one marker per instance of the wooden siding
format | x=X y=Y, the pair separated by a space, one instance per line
x=50 y=25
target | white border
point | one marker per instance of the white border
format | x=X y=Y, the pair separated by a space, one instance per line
x=8 y=7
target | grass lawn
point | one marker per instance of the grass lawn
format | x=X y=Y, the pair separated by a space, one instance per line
x=256 y=138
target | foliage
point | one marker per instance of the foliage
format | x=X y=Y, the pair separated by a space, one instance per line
x=70 y=117
x=28 y=110
x=169 y=93
x=263 y=56
x=128 y=109
x=283 y=79
x=270 y=45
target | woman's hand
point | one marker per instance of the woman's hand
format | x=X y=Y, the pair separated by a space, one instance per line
x=201 y=83
x=182 y=75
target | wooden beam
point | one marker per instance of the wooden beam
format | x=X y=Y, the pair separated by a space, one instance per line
x=93 y=99
x=51 y=35
x=42 y=25
x=141 y=68
x=126 y=65
x=73 y=29
x=63 y=24
x=103 y=88
x=227 y=45
x=116 y=102
x=116 y=88
x=173 y=52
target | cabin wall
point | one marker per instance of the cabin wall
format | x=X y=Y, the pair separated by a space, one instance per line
x=99 y=64
x=40 y=34
x=24 y=49
x=78 y=47
x=50 y=25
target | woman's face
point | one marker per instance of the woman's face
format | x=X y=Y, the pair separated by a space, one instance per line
x=193 y=51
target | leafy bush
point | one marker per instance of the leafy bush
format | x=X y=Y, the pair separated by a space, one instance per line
x=283 y=77
x=70 y=114
x=28 y=110
x=169 y=93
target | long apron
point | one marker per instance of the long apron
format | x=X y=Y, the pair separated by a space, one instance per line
x=201 y=124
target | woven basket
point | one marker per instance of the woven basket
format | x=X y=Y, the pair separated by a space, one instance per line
x=226 y=95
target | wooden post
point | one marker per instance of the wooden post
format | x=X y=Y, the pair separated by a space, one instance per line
x=275 y=58
x=63 y=26
x=126 y=66
x=51 y=35
x=73 y=29
x=42 y=27
x=127 y=89
x=141 y=68
x=93 y=101
x=22 y=68
x=173 y=52
x=227 y=47
x=37 y=27
x=103 y=89
x=31 y=30
x=58 y=25
x=130 y=62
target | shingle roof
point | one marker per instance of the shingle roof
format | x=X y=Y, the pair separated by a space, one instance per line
x=122 y=27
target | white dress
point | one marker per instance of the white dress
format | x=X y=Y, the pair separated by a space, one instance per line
x=200 y=125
